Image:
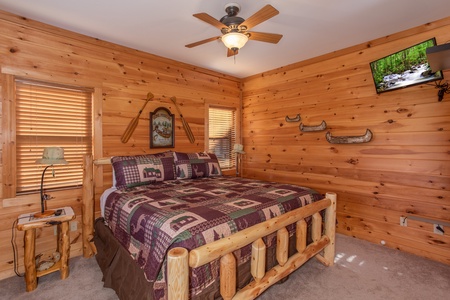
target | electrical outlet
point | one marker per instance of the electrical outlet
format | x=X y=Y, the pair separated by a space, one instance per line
x=73 y=226
x=403 y=221
x=438 y=229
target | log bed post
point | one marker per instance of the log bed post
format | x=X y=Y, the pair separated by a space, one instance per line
x=178 y=274
x=330 y=229
x=88 y=207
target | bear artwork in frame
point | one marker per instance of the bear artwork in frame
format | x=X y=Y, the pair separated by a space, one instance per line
x=162 y=128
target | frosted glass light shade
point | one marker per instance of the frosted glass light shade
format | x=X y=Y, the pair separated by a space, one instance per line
x=234 y=40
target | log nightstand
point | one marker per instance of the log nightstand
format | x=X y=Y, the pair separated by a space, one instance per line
x=28 y=223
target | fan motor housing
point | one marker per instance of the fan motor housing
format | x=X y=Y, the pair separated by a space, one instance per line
x=231 y=20
x=232 y=9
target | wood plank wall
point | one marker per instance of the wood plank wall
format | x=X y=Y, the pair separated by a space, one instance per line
x=403 y=171
x=121 y=77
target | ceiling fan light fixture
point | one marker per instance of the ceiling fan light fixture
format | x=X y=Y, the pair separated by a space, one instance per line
x=234 y=29
x=234 y=40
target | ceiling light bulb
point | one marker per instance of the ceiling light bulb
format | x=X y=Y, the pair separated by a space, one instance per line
x=234 y=40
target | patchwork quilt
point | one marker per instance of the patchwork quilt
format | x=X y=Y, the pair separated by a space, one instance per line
x=149 y=220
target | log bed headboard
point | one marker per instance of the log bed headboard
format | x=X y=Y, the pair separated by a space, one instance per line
x=179 y=259
x=88 y=203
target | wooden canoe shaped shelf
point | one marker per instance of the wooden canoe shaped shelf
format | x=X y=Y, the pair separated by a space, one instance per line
x=320 y=127
x=367 y=137
x=297 y=118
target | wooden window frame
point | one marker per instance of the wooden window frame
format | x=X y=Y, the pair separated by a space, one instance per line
x=8 y=101
x=237 y=111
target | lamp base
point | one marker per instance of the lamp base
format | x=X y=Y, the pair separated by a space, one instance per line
x=44 y=214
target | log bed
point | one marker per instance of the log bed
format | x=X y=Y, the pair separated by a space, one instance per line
x=179 y=260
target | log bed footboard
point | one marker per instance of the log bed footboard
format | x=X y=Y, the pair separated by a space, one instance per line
x=179 y=259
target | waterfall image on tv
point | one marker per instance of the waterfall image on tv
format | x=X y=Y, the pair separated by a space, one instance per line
x=404 y=68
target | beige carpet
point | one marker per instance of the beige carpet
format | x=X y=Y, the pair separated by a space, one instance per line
x=362 y=271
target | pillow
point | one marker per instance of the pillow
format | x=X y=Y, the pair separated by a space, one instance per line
x=195 y=165
x=137 y=170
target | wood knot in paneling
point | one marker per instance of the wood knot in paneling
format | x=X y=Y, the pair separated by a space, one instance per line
x=353 y=161
x=438 y=242
x=334 y=150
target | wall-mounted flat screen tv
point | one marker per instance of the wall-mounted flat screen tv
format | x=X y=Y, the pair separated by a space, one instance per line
x=404 y=68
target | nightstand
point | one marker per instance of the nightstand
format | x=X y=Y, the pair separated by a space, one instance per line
x=28 y=223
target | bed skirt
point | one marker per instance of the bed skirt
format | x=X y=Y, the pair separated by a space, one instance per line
x=123 y=275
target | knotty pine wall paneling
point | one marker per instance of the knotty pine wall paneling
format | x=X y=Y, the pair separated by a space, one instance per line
x=403 y=172
x=121 y=78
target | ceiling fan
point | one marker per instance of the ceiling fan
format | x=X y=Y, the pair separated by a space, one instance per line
x=234 y=29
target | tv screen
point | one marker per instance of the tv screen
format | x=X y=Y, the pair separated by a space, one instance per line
x=404 y=68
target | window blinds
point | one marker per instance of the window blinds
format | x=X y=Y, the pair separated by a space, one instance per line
x=222 y=135
x=51 y=116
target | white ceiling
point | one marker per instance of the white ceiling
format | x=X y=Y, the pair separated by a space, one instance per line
x=310 y=27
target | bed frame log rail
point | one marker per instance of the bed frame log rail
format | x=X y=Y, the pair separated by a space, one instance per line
x=179 y=260
x=322 y=247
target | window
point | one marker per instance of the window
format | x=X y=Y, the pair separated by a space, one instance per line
x=222 y=135
x=51 y=116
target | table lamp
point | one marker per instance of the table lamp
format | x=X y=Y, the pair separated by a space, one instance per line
x=51 y=156
x=238 y=149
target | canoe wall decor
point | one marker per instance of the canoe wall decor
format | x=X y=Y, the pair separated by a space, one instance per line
x=297 y=118
x=320 y=127
x=367 y=137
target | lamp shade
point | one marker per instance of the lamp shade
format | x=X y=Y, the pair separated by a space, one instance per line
x=234 y=40
x=52 y=156
x=238 y=148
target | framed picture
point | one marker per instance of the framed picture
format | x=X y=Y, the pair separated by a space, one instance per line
x=162 y=128
x=404 y=68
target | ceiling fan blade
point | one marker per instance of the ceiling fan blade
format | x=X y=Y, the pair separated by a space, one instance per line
x=260 y=16
x=273 y=38
x=210 y=20
x=202 y=42
x=231 y=52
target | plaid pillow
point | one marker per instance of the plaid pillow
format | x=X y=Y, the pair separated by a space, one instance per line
x=137 y=170
x=195 y=165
